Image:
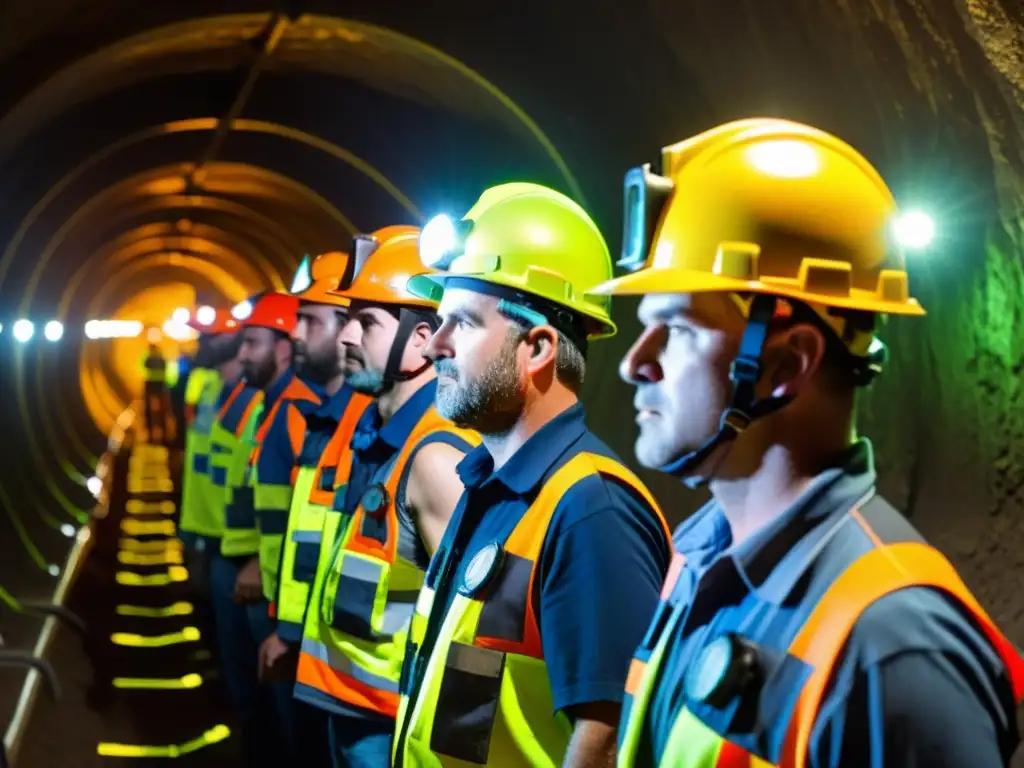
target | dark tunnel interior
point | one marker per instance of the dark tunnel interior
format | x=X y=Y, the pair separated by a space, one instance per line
x=145 y=147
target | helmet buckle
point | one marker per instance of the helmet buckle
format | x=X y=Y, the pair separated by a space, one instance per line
x=735 y=420
x=745 y=369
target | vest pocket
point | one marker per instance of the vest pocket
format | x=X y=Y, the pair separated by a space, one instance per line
x=307 y=553
x=241 y=512
x=356 y=595
x=467 y=703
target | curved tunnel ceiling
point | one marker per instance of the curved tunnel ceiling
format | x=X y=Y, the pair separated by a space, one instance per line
x=211 y=153
x=139 y=152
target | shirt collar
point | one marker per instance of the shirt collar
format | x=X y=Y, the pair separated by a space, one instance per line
x=776 y=555
x=703 y=536
x=333 y=408
x=275 y=390
x=532 y=462
x=401 y=425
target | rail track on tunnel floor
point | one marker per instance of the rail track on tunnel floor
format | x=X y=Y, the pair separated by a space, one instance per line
x=141 y=684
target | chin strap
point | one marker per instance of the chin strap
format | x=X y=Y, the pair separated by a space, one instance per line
x=408 y=319
x=745 y=408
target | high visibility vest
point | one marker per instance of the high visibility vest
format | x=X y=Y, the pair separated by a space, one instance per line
x=316 y=481
x=155 y=369
x=271 y=502
x=819 y=643
x=355 y=633
x=483 y=696
x=203 y=389
x=232 y=443
x=198 y=380
x=173 y=373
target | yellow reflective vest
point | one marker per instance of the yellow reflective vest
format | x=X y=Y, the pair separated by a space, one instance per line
x=202 y=391
x=481 y=694
x=318 y=477
x=232 y=443
x=272 y=499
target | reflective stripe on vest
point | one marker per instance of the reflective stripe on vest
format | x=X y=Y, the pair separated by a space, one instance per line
x=485 y=695
x=315 y=488
x=233 y=444
x=273 y=502
x=364 y=600
x=197 y=517
x=819 y=643
x=196 y=383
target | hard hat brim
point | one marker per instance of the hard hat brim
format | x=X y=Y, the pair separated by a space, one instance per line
x=218 y=326
x=432 y=286
x=648 y=281
x=397 y=294
x=320 y=293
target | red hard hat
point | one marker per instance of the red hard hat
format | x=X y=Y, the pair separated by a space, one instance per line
x=277 y=311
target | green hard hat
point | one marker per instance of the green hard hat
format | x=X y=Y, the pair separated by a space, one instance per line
x=527 y=238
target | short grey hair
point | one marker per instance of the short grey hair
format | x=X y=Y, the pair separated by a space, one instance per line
x=570 y=362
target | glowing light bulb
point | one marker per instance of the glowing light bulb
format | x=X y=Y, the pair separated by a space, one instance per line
x=24 y=330
x=53 y=330
x=914 y=229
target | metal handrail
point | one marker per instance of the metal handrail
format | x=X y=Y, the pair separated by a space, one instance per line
x=40 y=669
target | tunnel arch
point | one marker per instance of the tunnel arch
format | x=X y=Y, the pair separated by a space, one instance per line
x=444 y=83
x=326 y=44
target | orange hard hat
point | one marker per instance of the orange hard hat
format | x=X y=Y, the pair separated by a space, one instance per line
x=315 y=280
x=277 y=311
x=220 y=321
x=380 y=266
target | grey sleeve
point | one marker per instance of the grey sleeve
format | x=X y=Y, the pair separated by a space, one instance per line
x=918 y=686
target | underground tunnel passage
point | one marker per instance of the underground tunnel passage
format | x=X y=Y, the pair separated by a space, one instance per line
x=193 y=153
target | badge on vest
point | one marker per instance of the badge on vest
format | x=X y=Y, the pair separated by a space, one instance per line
x=481 y=569
x=375 y=501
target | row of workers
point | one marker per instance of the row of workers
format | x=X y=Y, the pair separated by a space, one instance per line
x=469 y=576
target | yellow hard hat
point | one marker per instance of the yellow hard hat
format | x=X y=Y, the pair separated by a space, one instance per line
x=765 y=206
x=379 y=268
x=315 y=280
x=531 y=240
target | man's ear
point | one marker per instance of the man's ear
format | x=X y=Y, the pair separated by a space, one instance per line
x=283 y=351
x=420 y=336
x=793 y=358
x=543 y=347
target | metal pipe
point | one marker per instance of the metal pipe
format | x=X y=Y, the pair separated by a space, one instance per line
x=271 y=36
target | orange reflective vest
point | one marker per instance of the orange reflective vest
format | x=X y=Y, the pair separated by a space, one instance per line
x=362 y=600
x=819 y=643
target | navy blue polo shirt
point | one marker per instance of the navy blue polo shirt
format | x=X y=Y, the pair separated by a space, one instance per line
x=917 y=685
x=374 y=443
x=602 y=564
